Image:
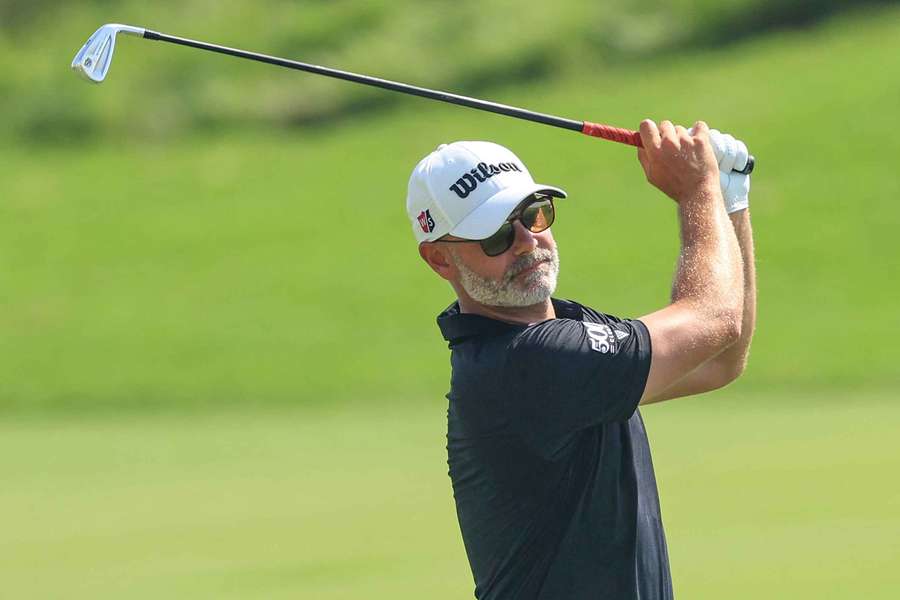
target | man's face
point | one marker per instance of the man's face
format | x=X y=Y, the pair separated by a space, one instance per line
x=524 y=275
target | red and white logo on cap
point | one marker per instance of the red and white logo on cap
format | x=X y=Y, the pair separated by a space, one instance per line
x=426 y=222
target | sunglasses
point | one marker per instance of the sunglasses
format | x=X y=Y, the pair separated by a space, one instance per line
x=536 y=215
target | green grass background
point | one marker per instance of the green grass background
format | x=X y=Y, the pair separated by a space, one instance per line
x=219 y=370
x=784 y=497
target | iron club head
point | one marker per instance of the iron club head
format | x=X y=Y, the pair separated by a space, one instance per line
x=93 y=60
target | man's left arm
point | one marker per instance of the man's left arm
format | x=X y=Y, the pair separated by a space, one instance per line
x=727 y=366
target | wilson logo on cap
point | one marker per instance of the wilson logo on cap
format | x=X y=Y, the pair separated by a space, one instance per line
x=426 y=222
x=466 y=184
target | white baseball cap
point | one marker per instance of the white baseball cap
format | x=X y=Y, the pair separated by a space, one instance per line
x=468 y=190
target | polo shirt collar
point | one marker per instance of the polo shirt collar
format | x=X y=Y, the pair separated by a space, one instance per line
x=456 y=326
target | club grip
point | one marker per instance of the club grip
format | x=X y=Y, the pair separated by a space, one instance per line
x=613 y=134
x=633 y=138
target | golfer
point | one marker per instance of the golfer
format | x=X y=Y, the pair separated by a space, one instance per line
x=549 y=461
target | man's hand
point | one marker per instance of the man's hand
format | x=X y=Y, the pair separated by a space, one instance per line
x=679 y=162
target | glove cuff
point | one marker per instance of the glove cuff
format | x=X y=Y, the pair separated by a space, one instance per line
x=737 y=204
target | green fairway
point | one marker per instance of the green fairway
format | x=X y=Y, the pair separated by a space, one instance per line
x=763 y=497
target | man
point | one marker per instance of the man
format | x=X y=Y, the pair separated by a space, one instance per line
x=551 y=471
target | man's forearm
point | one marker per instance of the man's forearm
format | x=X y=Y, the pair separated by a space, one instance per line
x=735 y=356
x=726 y=366
x=709 y=276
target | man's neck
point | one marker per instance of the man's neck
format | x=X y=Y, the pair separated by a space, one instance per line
x=525 y=315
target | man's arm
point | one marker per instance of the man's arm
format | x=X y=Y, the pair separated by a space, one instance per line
x=705 y=315
x=724 y=368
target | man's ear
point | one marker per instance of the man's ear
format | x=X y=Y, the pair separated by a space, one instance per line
x=438 y=259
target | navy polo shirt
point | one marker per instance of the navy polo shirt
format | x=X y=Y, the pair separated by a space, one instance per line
x=549 y=459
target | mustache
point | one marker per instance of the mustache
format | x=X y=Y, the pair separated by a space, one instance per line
x=526 y=262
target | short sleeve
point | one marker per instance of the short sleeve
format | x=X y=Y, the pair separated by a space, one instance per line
x=563 y=375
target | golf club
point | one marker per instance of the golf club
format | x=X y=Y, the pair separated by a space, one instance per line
x=93 y=61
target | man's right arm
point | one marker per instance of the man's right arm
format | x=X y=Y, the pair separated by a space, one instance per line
x=724 y=368
x=704 y=317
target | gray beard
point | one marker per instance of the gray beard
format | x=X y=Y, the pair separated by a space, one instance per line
x=509 y=290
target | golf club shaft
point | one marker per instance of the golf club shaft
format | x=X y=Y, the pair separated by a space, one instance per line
x=615 y=134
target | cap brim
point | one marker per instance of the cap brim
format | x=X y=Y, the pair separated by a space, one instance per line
x=487 y=218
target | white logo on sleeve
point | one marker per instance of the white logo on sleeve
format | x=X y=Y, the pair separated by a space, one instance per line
x=603 y=338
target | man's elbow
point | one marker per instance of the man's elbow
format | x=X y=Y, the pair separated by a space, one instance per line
x=728 y=371
x=731 y=361
x=734 y=370
x=729 y=328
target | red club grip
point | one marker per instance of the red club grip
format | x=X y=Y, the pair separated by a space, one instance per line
x=633 y=138
x=614 y=134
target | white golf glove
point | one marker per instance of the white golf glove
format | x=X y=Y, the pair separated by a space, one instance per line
x=731 y=153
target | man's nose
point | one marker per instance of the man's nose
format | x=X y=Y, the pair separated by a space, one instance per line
x=525 y=241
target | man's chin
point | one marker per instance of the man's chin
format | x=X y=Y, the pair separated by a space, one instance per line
x=531 y=287
x=532 y=295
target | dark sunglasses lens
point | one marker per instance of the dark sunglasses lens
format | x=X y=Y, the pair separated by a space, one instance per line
x=500 y=242
x=538 y=216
